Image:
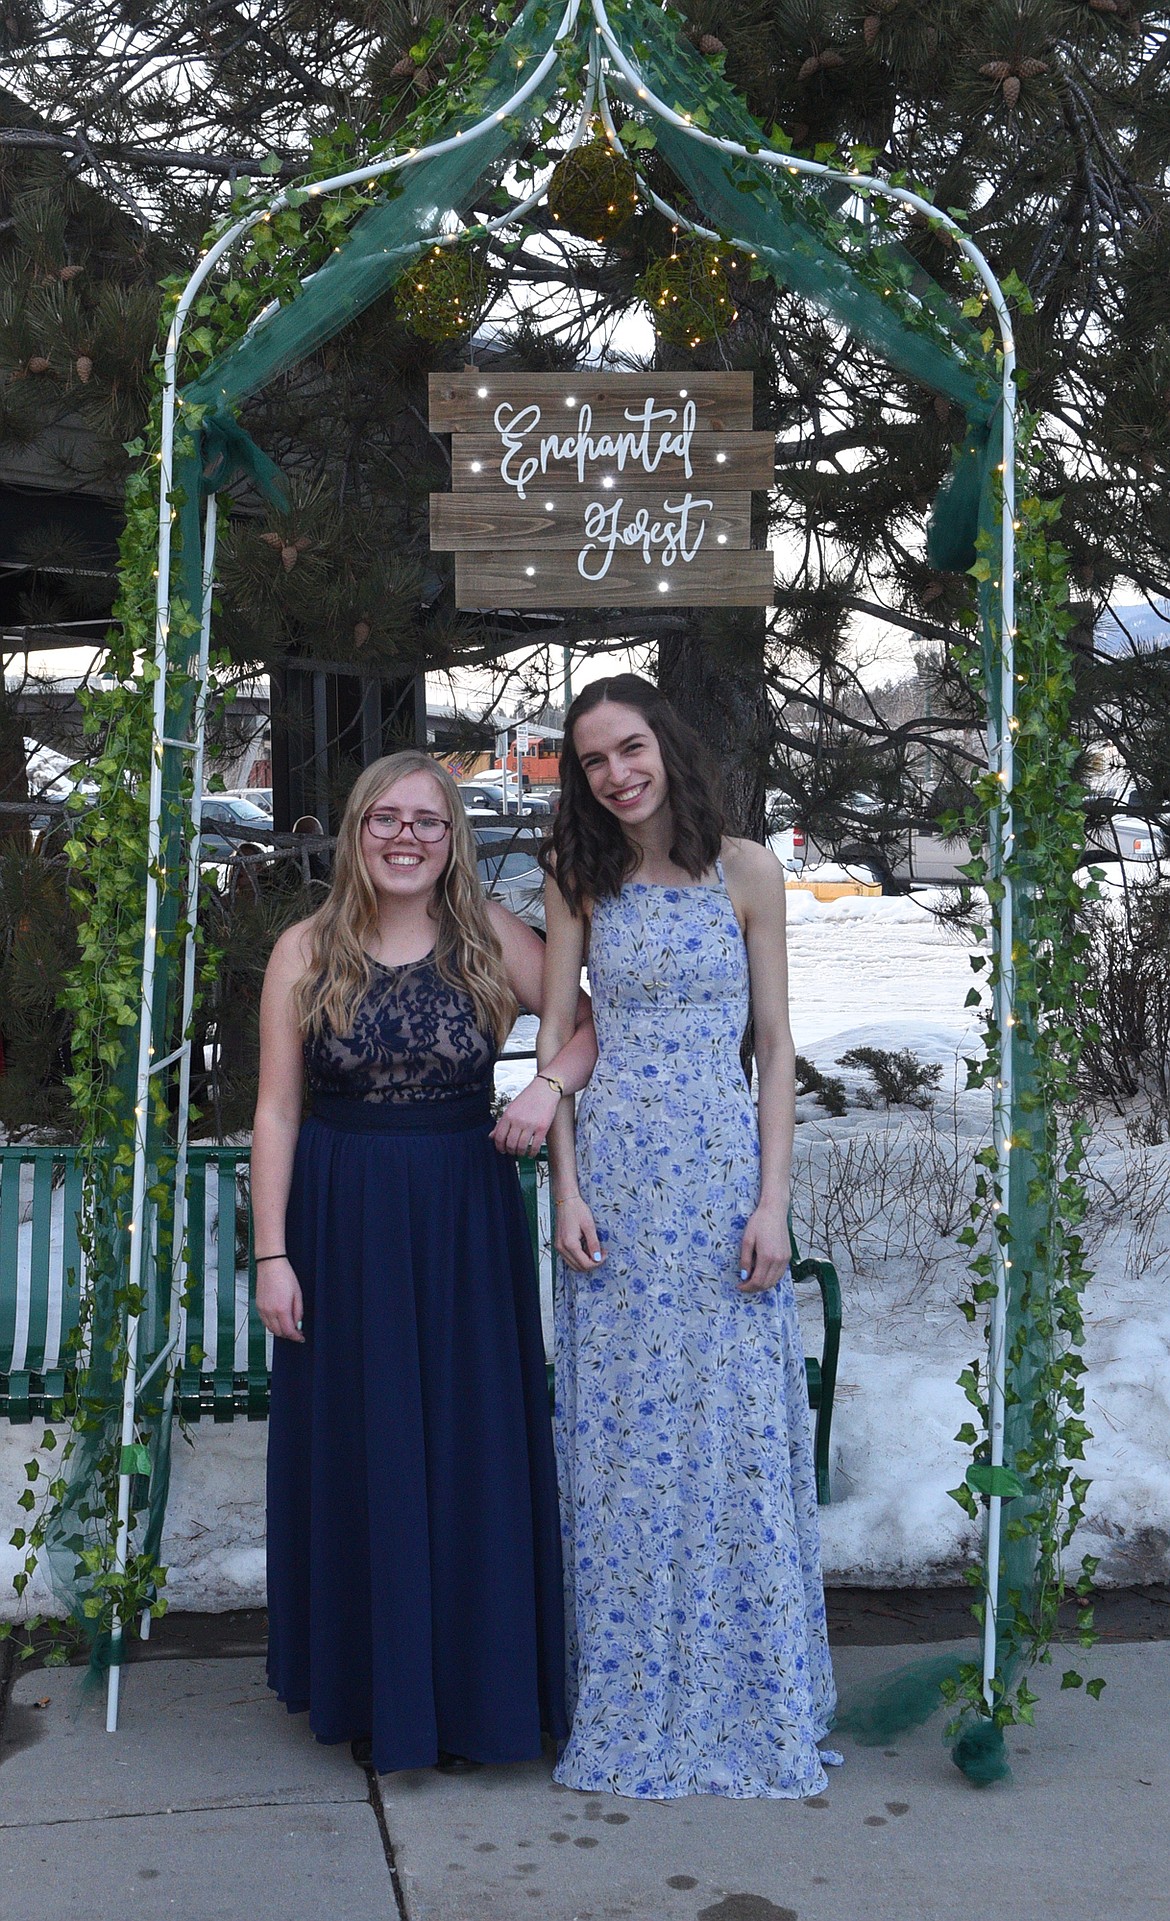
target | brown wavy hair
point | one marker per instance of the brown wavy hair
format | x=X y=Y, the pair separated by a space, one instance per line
x=588 y=851
x=467 y=951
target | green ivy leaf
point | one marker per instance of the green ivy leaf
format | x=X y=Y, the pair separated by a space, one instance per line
x=1003 y=1481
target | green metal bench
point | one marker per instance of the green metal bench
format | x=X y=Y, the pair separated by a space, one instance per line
x=224 y=1372
x=225 y=1367
x=40 y=1193
x=822 y=1373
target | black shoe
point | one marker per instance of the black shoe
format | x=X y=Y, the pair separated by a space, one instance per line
x=455 y=1763
x=362 y=1751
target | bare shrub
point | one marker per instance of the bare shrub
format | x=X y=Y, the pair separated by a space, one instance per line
x=1128 y=1190
x=893 y=1196
x=1124 y=1012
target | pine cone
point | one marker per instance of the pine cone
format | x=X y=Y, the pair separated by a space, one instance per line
x=83 y=366
x=1104 y=6
x=402 y=69
x=933 y=592
x=1031 y=69
x=290 y=550
x=709 y=45
x=1011 y=89
x=423 y=80
x=69 y=273
x=361 y=633
x=818 y=62
x=869 y=28
x=996 y=69
x=37 y=364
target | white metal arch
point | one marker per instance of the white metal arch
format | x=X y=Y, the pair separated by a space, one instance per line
x=603 y=46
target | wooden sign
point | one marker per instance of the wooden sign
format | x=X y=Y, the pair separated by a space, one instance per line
x=601 y=490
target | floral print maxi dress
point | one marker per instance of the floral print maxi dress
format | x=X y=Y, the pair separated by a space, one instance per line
x=698 y=1659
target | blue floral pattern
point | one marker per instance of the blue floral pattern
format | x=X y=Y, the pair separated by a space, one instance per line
x=698 y=1658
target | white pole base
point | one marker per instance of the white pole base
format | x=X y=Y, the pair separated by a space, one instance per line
x=113 y=1689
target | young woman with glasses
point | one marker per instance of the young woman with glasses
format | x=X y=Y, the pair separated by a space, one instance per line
x=414 y=1576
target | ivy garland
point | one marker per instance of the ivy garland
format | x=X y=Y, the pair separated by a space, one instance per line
x=1051 y=967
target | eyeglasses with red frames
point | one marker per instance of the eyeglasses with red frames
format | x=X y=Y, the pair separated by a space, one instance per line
x=426 y=828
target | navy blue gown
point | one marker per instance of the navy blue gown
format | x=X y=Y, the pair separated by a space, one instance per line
x=414 y=1576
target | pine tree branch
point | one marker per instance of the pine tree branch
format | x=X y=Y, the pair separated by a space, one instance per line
x=171 y=159
x=1121 y=172
x=313 y=87
x=86 y=157
x=913 y=623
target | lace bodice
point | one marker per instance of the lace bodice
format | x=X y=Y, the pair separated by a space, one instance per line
x=414 y=1038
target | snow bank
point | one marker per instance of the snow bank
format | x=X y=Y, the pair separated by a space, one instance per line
x=884 y=1194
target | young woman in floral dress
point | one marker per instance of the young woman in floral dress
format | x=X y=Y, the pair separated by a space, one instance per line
x=696 y=1619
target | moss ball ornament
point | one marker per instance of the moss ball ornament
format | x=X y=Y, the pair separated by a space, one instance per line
x=445 y=294
x=688 y=292
x=593 y=190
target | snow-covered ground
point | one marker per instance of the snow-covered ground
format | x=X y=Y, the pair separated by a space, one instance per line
x=883 y=1194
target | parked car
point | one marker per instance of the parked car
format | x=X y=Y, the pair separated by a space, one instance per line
x=479 y=797
x=508 y=868
x=258 y=796
x=237 y=820
x=1128 y=837
x=491 y=784
x=924 y=858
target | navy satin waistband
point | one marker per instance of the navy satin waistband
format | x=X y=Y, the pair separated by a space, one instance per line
x=458 y=1115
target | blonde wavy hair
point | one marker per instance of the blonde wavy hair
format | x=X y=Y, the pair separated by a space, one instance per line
x=467 y=951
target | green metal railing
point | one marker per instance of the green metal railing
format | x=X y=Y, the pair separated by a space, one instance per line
x=224 y=1372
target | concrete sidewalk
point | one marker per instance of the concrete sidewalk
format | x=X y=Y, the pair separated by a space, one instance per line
x=212 y=1803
